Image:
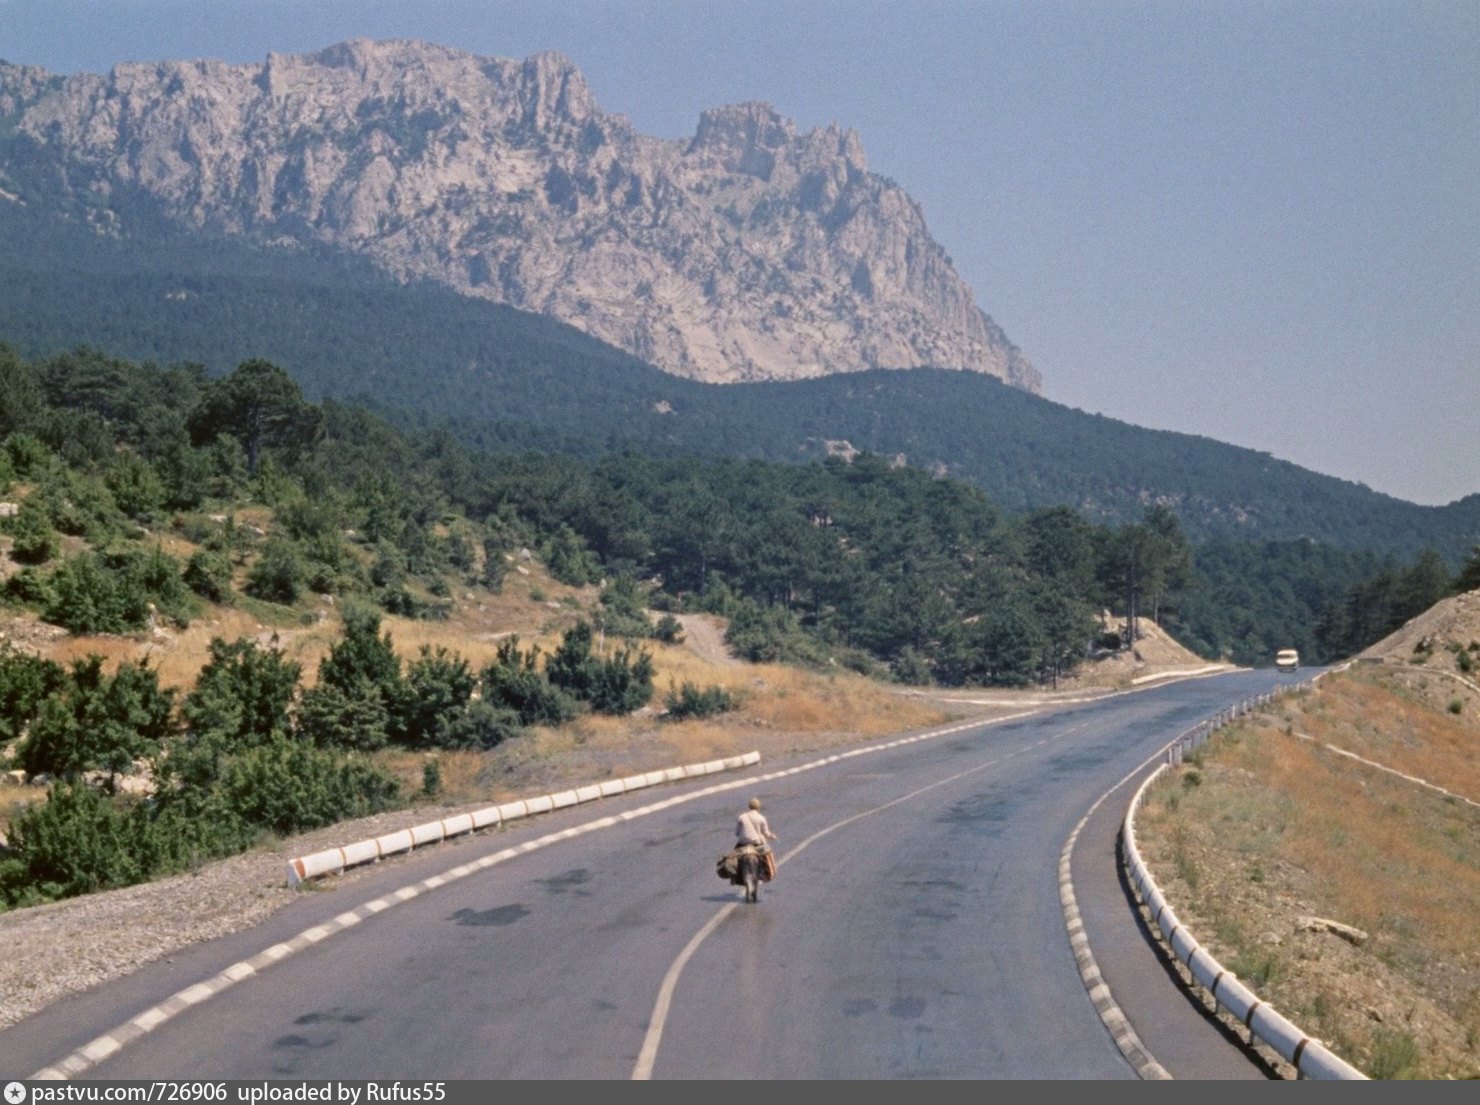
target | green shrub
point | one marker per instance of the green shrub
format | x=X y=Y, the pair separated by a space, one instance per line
x=912 y=667
x=243 y=693
x=208 y=574
x=29 y=456
x=569 y=560
x=513 y=683
x=78 y=842
x=1394 y=1055
x=30 y=588
x=1456 y=706
x=479 y=726
x=289 y=786
x=761 y=634
x=618 y=685
x=621 y=684
x=278 y=574
x=688 y=701
x=136 y=487
x=495 y=566
x=161 y=578
x=331 y=716
x=430 y=699
x=26 y=680
x=94 y=721
x=89 y=597
x=362 y=655
x=34 y=539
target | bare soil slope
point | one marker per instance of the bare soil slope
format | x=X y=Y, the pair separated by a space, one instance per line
x=1318 y=808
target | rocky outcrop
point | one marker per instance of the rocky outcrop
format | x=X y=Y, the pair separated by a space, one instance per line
x=750 y=251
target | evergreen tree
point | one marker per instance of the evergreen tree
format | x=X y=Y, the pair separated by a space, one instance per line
x=100 y=723
x=260 y=406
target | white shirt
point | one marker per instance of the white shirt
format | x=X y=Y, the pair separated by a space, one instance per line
x=752 y=827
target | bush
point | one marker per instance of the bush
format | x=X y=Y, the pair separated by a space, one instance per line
x=1456 y=706
x=362 y=656
x=911 y=666
x=616 y=686
x=289 y=786
x=1395 y=1055
x=159 y=574
x=623 y=612
x=208 y=574
x=97 y=722
x=243 y=693
x=77 y=843
x=495 y=567
x=26 y=681
x=512 y=683
x=622 y=684
x=480 y=726
x=87 y=597
x=569 y=560
x=278 y=574
x=691 y=702
x=569 y=666
x=432 y=697
x=330 y=716
x=668 y=630
x=761 y=634
x=34 y=539
x=136 y=487
x=30 y=588
x=29 y=456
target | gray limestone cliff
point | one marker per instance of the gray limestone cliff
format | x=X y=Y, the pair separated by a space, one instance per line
x=750 y=251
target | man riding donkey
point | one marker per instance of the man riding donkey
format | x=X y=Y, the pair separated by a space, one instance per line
x=752 y=834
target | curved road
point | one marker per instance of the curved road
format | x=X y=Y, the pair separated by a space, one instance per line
x=914 y=931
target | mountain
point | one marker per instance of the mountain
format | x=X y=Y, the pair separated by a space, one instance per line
x=748 y=252
x=506 y=379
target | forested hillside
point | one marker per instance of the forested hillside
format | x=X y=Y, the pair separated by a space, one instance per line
x=502 y=380
x=898 y=565
x=136 y=495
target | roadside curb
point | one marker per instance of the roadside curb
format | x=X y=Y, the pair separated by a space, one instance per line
x=333 y=861
x=1309 y=1056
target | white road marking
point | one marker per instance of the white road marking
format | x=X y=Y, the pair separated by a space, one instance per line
x=88 y=1056
x=659 y=1019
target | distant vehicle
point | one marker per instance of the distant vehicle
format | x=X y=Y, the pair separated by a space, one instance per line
x=1287 y=659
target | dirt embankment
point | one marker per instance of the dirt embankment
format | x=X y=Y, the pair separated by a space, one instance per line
x=1327 y=851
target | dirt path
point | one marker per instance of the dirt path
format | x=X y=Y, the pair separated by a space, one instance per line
x=703 y=635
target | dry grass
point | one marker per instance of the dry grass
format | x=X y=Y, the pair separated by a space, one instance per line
x=782 y=710
x=1277 y=827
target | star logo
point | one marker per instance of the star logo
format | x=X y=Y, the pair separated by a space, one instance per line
x=15 y=1093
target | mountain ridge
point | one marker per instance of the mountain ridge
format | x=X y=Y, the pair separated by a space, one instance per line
x=748 y=251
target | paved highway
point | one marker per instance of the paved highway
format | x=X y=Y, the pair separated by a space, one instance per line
x=914 y=931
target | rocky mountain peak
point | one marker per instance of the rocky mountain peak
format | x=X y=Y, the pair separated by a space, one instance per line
x=750 y=251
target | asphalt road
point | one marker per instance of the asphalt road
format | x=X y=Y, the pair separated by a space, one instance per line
x=914 y=931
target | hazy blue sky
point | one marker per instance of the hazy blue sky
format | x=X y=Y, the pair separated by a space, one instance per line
x=1258 y=222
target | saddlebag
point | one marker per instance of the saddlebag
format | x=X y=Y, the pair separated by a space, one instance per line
x=728 y=867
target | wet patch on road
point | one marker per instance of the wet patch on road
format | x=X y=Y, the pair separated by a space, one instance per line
x=569 y=881
x=907 y=1009
x=490 y=918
